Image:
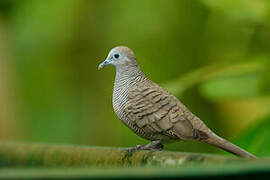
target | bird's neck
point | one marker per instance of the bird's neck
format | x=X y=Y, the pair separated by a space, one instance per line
x=128 y=76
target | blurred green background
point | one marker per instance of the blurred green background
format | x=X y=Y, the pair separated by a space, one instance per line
x=213 y=55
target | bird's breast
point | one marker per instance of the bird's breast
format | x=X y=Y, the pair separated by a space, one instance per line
x=120 y=98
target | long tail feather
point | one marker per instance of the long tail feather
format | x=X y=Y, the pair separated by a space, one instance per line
x=227 y=146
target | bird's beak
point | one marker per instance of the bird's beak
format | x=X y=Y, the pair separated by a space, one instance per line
x=104 y=63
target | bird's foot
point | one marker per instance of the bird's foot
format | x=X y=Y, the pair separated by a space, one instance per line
x=152 y=146
x=132 y=149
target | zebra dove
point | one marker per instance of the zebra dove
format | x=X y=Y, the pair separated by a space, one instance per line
x=152 y=112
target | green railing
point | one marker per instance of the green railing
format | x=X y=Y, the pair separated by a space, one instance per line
x=27 y=160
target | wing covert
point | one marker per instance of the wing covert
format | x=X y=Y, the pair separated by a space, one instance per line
x=156 y=111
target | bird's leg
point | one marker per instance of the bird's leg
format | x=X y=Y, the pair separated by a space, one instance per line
x=152 y=146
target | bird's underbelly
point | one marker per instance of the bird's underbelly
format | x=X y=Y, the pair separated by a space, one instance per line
x=139 y=131
x=120 y=112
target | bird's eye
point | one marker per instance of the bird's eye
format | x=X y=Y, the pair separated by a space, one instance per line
x=116 y=56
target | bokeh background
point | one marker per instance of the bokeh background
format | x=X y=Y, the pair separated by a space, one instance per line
x=213 y=55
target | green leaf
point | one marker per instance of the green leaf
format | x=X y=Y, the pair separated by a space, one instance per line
x=246 y=80
x=221 y=81
x=256 y=139
x=265 y=81
x=241 y=10
x=236 y=85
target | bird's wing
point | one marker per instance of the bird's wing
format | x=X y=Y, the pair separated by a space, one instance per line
x=155 y=111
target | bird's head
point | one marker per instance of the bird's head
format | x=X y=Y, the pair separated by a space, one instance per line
x=119 y=57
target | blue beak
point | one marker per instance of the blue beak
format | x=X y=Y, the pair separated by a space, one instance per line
x=104 y=63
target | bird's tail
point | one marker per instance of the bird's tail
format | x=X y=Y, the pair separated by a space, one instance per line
x=227 y=146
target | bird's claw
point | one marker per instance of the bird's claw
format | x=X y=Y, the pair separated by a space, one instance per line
x=153 y=146
x=132 y=149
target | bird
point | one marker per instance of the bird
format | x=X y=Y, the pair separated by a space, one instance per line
x=152 y=112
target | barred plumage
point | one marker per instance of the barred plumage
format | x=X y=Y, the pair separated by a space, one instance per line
x=152 y=112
